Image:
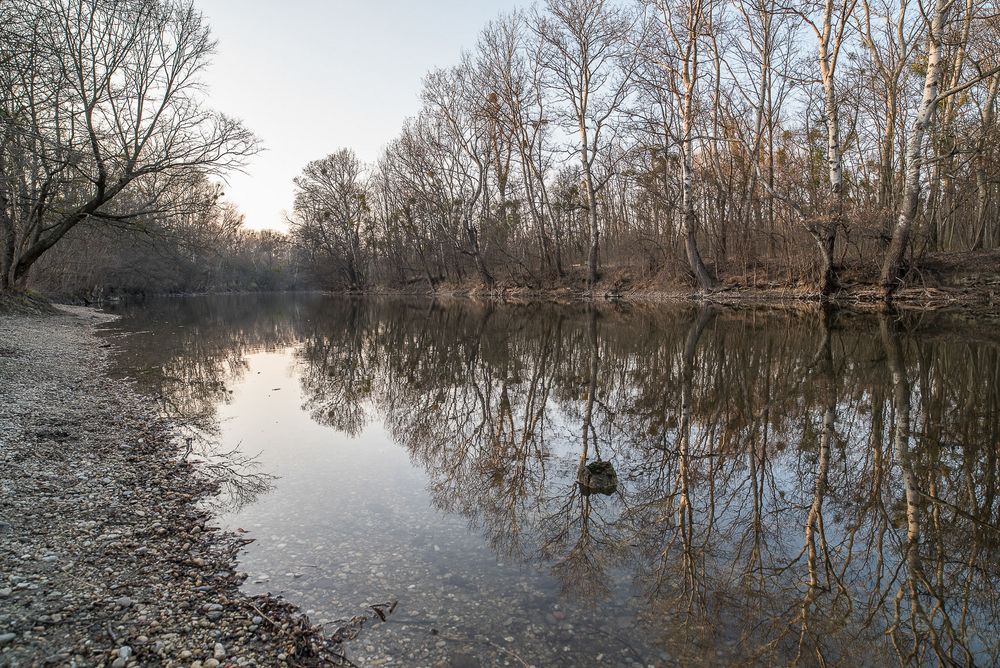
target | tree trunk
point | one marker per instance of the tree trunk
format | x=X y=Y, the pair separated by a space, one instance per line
x=826 y=240
x=557 y=239
x=830 y=41
x=690 y=78
x=354 y=262
x=981 y=162
x=592 y=258
x=982 y=205
x=484 y=273
x=7 y=248
x=893 y=263
x=887 y=173
x=8 y=241
x=828 y=231
x=705 y=280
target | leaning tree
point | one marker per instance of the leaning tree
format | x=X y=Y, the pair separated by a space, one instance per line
x=100 y=99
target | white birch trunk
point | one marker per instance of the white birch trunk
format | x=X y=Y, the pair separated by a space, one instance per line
x=893 y=263
x=690 y=78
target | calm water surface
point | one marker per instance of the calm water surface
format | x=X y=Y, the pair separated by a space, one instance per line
x=795 y=488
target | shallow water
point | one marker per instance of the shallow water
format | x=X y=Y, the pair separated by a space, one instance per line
x=792 y=487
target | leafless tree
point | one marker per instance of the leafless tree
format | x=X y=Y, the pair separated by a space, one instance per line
x=676 y=46
x=331 y=213
x=102 y=97
x=590 y=66
x=939 y=20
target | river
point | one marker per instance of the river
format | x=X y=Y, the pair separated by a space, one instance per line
x=792 y=485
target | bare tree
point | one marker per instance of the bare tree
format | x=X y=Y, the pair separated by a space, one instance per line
x=590 y=67
x=104 y=95
x=938 y=20
x=331 y=212
x=831 y=31
x=464 y=149
x=681 y=27
x=641 y=134
x=509 y=60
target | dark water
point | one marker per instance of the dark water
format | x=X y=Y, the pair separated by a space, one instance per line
x=793 y=488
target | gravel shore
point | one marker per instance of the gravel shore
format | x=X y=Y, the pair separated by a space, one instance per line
x=107 y=555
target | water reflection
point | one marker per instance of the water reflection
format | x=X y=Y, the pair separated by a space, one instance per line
x=802 y=488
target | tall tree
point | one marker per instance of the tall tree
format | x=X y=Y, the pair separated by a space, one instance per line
x=101 y=96
x=590 y=66
x=831 y=31
x=682 y=25
x=331 y=213
x=938 y=19
x=465 y=149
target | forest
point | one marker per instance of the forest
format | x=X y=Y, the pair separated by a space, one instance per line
x=816 y=146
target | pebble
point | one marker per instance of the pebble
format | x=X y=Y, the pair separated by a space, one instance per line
x=210 y=663
x=220 y=652
x=6 y=638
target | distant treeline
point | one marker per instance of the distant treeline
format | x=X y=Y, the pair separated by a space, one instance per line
x=819 y=142
x=205 y=251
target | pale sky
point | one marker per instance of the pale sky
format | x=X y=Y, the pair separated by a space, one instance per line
x=312 y=76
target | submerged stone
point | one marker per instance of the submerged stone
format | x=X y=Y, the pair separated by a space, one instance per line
x=598 y=477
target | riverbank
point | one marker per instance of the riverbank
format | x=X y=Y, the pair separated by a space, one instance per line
x=968 y=281
x=107 y=555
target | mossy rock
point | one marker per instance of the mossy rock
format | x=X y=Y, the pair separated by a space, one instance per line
x=598 y=477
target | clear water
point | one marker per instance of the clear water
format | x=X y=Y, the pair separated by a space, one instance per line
x=792 y=487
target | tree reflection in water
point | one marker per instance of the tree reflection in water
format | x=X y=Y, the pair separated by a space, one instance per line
x=187 y=354
x=796 y=487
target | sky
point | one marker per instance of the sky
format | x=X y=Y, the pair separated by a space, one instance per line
x=312 y=76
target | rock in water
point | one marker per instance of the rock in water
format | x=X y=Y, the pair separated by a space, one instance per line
x=598 y=477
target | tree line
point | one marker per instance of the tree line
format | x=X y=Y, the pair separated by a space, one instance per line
x=826 y=143
x=753 y=141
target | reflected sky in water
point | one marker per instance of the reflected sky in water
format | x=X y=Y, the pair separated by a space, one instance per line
x=795 y=487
